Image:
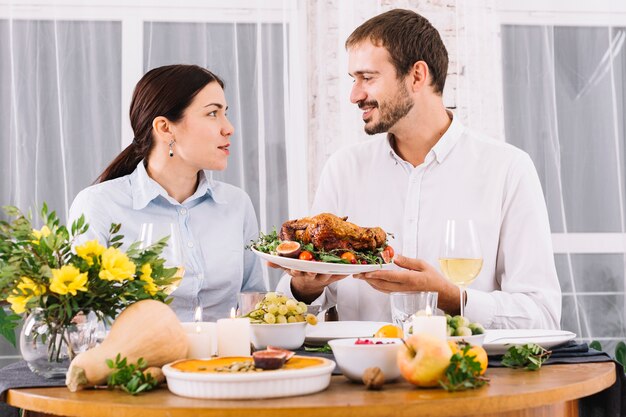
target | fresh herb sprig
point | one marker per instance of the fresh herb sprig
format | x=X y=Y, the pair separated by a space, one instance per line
x=322 y=349
x=266 y=243
x=130 y=377
x=529 y=356
x=463 y=372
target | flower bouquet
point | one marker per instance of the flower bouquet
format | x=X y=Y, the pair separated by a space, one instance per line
x=62 y=287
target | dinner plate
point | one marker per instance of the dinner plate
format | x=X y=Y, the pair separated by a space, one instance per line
x=497 y=341
x=322 y=267
x=324 y=331
x=250 y=385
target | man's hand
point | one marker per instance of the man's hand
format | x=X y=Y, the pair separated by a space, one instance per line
x=416 y=276
x=307 y=286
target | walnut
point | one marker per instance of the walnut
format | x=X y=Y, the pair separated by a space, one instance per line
x=373 y=378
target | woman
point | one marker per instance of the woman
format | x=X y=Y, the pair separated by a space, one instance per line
x=178 y=115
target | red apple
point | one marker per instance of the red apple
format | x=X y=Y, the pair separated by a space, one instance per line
x=424 y=359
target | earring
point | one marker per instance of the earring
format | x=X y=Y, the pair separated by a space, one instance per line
x=171 y=150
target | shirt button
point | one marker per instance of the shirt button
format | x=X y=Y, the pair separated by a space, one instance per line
x=190 y=244
x=183 y=211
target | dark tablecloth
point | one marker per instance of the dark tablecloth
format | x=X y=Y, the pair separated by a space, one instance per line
x=608 y=403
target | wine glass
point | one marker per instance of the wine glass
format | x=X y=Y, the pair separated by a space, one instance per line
x=151 y=233
x=461 y=258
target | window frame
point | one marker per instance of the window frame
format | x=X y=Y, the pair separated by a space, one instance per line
x=132 y=18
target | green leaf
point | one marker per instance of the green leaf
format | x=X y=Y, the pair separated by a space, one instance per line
x=620 y=353
x=8 y=323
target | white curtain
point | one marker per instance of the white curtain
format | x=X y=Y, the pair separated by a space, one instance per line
x=62 y=81
x=564 y=91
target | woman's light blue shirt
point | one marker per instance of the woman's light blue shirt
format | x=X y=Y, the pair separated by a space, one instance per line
x=216 y=223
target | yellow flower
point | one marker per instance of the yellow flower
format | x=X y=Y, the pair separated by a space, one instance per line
x=38 y=234
x=18 y=303
x=146 y=272
x=89 y=249
x=26 y=290
x=30 y=287
x=116 y=266
x=68 y=279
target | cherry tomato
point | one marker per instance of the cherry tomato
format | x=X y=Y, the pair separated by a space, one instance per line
x=305 y=255
x=348 y=256
x=390 y=251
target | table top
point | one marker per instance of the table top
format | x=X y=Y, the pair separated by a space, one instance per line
x=508 y=390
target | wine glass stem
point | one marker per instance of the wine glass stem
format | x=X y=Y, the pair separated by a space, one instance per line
x=461 y=292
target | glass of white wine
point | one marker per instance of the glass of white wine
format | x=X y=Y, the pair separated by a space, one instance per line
x=461 y=258
x=151 y=233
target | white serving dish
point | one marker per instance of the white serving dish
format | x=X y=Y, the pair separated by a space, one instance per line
x=498 y=341
x=250 y=385
x=474 y=340
x=322 y=267
x=287 y=335
x=353 y=359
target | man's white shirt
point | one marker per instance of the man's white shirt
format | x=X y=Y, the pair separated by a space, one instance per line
x=464 y=176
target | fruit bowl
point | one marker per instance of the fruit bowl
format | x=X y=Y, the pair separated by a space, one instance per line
x=475 y=339
x=354 y=359
x=284 y=335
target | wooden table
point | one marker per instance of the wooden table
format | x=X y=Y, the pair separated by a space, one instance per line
x=552 y=391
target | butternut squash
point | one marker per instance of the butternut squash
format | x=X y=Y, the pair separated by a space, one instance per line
x=147 y=329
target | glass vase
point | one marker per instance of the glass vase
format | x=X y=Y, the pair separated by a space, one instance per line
x=48 y=347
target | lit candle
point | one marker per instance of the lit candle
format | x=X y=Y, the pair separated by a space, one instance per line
x=201 y=336
x=427 y=323
x=233 y=336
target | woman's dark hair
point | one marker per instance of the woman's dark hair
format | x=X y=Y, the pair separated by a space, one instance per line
x=164 y=91
x=408 y=37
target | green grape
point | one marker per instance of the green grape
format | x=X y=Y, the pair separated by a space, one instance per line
x=269 y=318
x=272 y=308
x=299 y=317
x=270 y=296
x=291 y=319
x=291 y=305
x=280 y=319
x=282 y=309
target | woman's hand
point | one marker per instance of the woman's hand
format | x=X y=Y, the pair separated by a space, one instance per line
x=417 y=275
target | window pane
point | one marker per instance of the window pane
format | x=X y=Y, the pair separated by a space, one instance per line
x=61 y=81
x=563 y=101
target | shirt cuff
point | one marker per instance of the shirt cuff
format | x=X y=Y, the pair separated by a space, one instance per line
x=480 y=307
x=284 y=287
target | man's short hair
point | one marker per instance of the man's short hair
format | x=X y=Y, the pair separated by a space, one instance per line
x=408 y=37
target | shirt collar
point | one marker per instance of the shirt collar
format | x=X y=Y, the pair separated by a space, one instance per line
x=144 y=189
x=443 y=146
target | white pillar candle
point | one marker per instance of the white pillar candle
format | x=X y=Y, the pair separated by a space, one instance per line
x=202 y=339
x=233 y=336
x=433 y=325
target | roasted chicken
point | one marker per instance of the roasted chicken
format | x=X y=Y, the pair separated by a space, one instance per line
x=327 y=232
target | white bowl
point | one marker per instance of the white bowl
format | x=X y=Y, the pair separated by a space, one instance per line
x=475 y=339
x=286 y=336
x=250 y=385
x=353 y=359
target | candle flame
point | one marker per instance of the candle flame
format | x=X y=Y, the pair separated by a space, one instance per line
x=197 y=316
x=428 y=311
x=233 y=314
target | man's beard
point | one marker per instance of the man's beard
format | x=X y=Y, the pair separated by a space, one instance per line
x=390 y=111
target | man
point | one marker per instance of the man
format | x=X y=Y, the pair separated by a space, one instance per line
x=430 y=169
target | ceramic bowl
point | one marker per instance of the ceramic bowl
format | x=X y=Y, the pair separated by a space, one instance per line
x=287 y=336
x=475 y=339
x=354 y=359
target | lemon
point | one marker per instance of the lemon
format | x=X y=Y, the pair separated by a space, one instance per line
x=389 y=330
